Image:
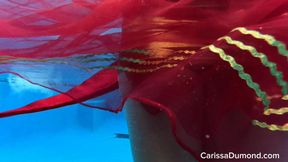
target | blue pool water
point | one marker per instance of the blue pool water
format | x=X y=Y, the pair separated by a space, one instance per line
x=70 y=134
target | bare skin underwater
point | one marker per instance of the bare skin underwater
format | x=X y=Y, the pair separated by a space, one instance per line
x=151 y=136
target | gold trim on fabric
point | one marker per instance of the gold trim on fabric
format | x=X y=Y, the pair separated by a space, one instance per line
x=272 y=127
x=271 y=40
x=134 y=70
x=242 y=74
x=279 y=111
x=264 y=60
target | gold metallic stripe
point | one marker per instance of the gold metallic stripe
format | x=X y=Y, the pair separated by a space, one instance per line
x=137 y=51
x=279 y=111
x=285 y=97
x=155 y=62
x=271 y=40
x=131 y=60
x=133 y=70
x=3 y=58
x=127 y=59
x=272 y=127
x=188 y=52
x=270 y=97
x=148 y=52
x=264 y=60
x=242 y=74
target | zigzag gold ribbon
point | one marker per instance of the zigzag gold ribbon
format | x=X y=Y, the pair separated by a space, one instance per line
x=264 y=60
x=156 y=62
x=242 y=74
x=272 y=127
x=280 y=111
x=285 y=97
x=127 y=69
x=271 y=40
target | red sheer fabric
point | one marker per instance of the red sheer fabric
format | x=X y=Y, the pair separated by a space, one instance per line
x=219 y=84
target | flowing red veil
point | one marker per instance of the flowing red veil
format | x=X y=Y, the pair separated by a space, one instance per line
x=217 y=68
